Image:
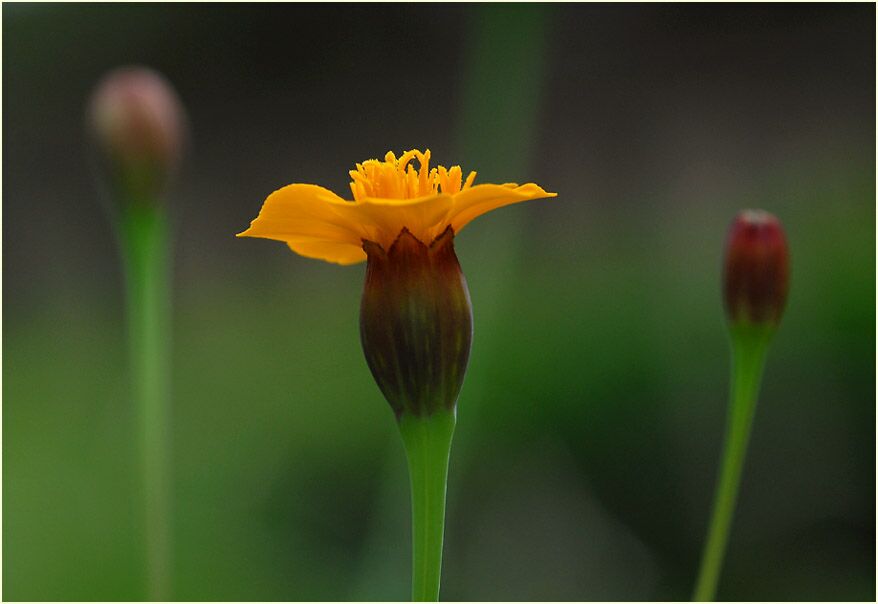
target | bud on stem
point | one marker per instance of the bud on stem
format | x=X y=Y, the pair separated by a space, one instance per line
x=416 y=323
x=755 y=284
x=136 y=121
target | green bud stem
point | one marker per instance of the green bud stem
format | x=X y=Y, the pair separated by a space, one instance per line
x=143 y=232
x=427 y=442
x=749 y=347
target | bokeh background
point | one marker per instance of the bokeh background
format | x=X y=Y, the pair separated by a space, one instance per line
x=591 y=419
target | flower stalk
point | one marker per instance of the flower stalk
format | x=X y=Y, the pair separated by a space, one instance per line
x=143 y=233
x=428 y=446
x=749 y=348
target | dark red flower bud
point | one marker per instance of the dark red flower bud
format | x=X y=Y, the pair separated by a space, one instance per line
x=138 y=123
x=756 y=276
x=416 y=322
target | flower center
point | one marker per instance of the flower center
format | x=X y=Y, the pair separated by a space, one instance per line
x=398 y=179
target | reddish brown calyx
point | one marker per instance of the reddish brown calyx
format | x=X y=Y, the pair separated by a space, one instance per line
x=756 y=273
x=416 y=322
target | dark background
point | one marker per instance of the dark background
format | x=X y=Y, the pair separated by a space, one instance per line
x=591 y=419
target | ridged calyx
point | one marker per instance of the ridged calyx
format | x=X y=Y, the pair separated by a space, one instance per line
x=416 y=322
x=756 y=271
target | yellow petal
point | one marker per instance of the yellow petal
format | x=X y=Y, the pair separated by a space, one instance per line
x=339 y=253
x=313 y=221
x=317 y=223
x=480 y=199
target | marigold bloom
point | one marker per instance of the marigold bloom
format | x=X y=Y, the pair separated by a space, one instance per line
x=415 y=315
x=388 y=196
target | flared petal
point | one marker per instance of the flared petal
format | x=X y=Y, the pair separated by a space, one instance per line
x=330 y=251
x=312 y=219
x=480 y=199
x=317 y=223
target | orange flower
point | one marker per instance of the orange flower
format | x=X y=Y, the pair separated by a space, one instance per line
x=389 y=196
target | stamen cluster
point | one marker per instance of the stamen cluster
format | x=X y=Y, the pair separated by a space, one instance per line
x=398 y=178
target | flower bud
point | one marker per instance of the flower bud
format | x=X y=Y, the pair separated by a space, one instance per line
x=756 y=276
x=416 y=322
x=138 y=123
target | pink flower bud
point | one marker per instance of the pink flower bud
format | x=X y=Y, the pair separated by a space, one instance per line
x=756 y=276
x=139 y=125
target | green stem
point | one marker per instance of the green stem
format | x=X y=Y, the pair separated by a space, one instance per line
x=749 y=346
x=428 y=445
x=144 y=238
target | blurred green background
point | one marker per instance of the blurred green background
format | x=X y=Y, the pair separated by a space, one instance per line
x=591 y=419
